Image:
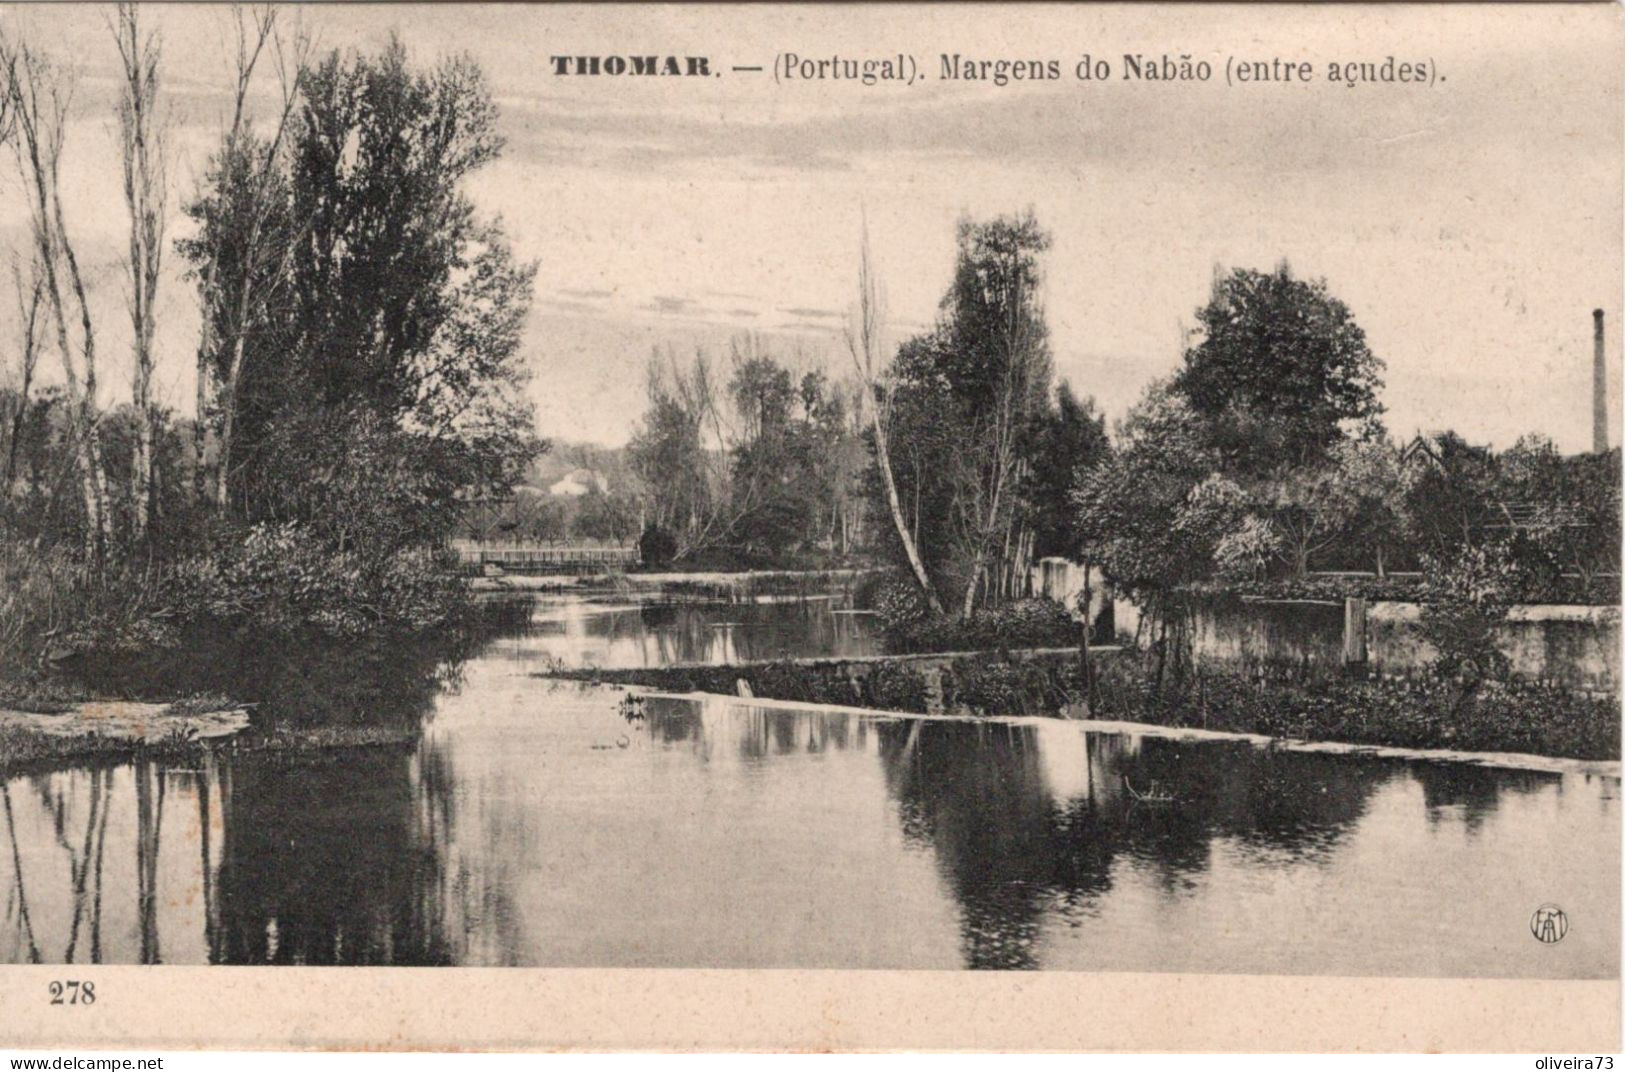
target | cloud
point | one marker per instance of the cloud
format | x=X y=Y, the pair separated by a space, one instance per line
x=570 y=306
x=802 y=325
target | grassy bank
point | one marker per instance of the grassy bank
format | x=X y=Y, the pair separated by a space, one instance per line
x=328 y=652
x=1022 y=623
x=24 y=748
x=1426 y=713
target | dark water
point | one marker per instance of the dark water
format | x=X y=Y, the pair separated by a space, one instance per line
x=624 y=631
x=535 y=824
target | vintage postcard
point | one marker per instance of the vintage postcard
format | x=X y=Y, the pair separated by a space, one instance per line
x=839 y=527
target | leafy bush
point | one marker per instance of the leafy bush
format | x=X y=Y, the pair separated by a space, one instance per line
x=1402 y=589
x=53 y=605
x=282 y=579
x=1026 y=623
x=40 y=592
x=1470 y=595
x=1429 y=711
x=896 y=600
x=1599 y=590
x=656 y=546
x=987 y=687
x=897 y=687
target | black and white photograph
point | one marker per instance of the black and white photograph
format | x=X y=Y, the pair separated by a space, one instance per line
x=843 y=488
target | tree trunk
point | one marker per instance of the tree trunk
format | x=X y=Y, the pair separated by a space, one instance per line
x=896 y=504
x=200 y=431
x=969 y=606
x=228 y=421
x=143 y=152
x=16 y=434
x=19 y=419
x=1085 y=666
x=39 y=111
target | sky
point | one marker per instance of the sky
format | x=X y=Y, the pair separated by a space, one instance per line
x=1470 y=226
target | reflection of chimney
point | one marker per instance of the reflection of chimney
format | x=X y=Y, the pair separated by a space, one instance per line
x=1599 y=390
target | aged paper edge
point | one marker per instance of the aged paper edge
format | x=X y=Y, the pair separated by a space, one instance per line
x=157 y=1008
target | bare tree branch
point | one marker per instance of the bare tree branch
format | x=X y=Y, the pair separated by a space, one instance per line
x=863 y=340
x=40 y=94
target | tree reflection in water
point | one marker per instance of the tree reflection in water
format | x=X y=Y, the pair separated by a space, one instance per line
x=354 y=881
x=499 y=834
x=1013 y=849
x=610 y=631
x=60 y=800
x=314 y=858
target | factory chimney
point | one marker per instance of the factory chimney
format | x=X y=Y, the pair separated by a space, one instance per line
x=1599 y=388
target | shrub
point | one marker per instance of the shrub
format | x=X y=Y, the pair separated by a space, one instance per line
x=1421 y=712
x=281 y=579
x=53 y=605
x=1470 y=595
x=1026 y=623
x=1010 y=688
x=897 y=601
x=897 y=687
x=656 y=546
x=41 y=591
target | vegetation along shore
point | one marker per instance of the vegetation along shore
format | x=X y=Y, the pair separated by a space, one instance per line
x=294 y=543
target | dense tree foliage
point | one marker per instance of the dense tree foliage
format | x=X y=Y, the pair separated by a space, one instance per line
x=761 y=467
x=1153 y=514
x=359 y=365
x=1262 y=460
x=382 y=379
x=1070 y=439
x=1281 y=373
x=979 y=449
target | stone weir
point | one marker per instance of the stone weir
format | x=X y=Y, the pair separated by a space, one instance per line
x=1029 y=681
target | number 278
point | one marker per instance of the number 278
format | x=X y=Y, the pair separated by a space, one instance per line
x=73 y=992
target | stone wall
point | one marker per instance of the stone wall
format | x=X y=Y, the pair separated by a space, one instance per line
x=1573 y=646
x=1576 y=647
x=1064 y=581
x=1300 y=635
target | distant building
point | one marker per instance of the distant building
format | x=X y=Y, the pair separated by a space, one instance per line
x=1420 y=448
x=577 y=483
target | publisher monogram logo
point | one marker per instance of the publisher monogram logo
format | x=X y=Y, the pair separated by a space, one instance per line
x=1549 y=924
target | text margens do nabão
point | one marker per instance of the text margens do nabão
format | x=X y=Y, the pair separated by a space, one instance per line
x=1188 y=67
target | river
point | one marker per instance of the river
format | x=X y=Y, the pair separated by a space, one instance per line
x=546 y=823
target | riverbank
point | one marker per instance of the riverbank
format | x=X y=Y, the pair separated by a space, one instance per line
x=1029 y=681
x=766 y=582
x=110 y=729
x=1419 y=713
x=1523 y=761
x=120 y=730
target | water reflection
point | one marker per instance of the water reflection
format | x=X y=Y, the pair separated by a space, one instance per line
x=724 y=834
x=579 y=631
x=299 y=681
x=1031 y=821
x=334 y=863
x=534 y=822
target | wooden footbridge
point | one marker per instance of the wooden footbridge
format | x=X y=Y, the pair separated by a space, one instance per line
x=525 y=556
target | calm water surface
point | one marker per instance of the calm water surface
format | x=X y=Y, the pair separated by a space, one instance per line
x=534 y=824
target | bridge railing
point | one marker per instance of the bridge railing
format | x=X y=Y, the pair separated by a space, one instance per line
x=518 y=555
